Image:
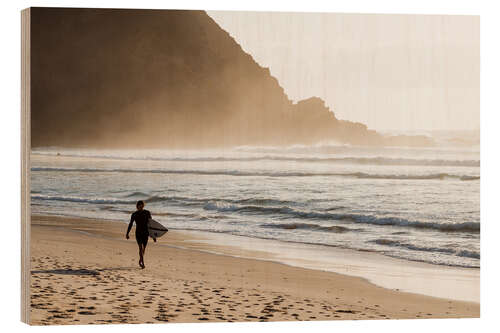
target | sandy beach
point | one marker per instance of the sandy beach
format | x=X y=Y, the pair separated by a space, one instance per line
x=84 y=271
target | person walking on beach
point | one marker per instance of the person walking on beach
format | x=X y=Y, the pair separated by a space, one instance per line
x=141 y=217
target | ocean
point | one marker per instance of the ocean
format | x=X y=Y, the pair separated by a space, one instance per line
x=410 y=203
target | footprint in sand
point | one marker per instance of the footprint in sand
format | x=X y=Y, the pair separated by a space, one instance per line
x=88 y=313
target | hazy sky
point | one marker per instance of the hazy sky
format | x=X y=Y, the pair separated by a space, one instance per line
x=403 y=72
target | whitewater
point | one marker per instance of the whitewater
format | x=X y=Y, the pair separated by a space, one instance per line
x=414 y=204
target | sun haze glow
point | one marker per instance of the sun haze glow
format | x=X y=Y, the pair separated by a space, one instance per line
x=391 y=72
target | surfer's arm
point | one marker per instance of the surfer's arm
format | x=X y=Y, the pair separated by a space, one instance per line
x=130 y=225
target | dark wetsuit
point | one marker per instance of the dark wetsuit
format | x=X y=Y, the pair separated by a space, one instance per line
x=141 y=218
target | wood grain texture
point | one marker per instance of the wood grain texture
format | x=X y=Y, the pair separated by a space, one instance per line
x=25 y=163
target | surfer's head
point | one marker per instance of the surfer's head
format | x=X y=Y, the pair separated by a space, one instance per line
x=140 y=205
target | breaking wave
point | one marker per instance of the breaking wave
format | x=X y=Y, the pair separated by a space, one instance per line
x=360 y=175
x=81 y=199
x=306 y=226
x=305 y=159
x=127 y=199
x=408 y=246
x=269 y=206
x=356 y=218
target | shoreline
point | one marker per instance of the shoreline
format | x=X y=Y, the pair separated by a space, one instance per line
x=400 y=274
x=64 y=250
x=462 y=283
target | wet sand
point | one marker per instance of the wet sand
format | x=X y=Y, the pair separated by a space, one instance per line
x=84 y=271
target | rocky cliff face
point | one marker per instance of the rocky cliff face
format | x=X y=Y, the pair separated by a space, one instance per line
x=154 y=78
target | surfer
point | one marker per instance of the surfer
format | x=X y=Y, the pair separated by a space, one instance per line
x=141 y=217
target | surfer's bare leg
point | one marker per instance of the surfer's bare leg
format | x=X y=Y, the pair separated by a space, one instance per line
x=143 y=253
x=141 y=256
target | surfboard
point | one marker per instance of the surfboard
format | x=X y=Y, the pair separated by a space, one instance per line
x=156 y=229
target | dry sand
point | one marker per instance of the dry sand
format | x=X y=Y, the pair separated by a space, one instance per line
x=83 y=271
